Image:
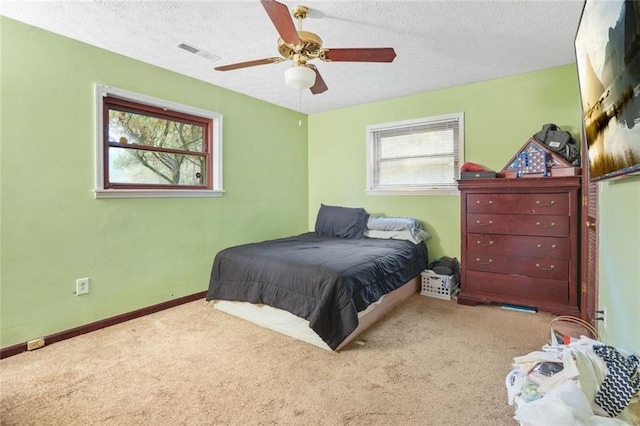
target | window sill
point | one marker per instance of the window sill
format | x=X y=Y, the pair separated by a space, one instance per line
x=156 y=193
x=420 y=191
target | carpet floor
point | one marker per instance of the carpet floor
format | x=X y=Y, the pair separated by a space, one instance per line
x=429 y=362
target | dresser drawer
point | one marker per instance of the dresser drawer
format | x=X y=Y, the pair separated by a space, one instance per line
x=557 y=269
x=554 y=204
x=545 y=225
x=553 y=247
x=506 y=285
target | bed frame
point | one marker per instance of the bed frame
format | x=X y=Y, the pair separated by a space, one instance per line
x=291 y=325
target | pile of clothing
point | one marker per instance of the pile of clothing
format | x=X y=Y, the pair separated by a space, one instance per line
x=446 y=265
x=584 y=382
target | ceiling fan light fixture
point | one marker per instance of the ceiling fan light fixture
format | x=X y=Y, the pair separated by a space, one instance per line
x=299 y=77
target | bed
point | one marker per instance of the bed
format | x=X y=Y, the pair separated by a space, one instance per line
x=323 y=287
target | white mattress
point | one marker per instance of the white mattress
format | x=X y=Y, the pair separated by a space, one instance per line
x=291 y=325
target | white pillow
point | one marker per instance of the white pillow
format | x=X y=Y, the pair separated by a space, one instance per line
x=414 y=237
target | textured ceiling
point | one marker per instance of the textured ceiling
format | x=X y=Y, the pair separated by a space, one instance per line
x=439 y=44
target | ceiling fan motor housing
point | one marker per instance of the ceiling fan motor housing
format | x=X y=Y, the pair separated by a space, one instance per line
x=310 y=48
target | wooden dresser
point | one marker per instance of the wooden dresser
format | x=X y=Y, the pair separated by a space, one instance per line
x=520 y=242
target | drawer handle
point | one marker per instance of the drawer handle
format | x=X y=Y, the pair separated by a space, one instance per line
x=484 y=224
x=551 y=225
x=543 y=268
x=483 y=263
x=543 y=204
x=490 y=202
x=541 y=247
x=480 y=243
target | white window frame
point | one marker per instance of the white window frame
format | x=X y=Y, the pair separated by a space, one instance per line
x=102 y=90
x=450 y=189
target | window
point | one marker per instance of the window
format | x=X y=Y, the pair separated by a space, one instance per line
x=148 y=147
x=415 y=157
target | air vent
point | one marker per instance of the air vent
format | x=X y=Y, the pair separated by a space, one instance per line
x=207 y=55
x=188 y=48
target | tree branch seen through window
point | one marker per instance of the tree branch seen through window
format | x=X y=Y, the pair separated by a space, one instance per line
x=150 y=147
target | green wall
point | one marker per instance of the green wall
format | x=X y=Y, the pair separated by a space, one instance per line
x=137 y=252
x=619 y=261
x=500 y=115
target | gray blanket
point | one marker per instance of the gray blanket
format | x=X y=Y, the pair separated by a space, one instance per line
x=325 y=280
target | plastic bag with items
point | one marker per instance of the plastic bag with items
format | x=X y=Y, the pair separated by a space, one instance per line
x=560 y=384
x=565 y=405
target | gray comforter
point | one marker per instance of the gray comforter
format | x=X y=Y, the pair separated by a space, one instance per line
x=325 y=280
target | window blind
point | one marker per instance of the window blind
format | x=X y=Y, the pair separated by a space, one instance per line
x=424 y=154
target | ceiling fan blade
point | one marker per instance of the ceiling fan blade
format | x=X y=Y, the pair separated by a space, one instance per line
x=319 y=86
x=249 y=64
x=281 y=18
x=367 y=54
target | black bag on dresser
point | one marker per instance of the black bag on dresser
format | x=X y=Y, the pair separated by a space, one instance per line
x=560 y=142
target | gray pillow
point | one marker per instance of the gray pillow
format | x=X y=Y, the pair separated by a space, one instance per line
x=344 y=222
x=381 y=223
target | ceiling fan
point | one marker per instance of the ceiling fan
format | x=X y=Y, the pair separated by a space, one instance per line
x=303 y=46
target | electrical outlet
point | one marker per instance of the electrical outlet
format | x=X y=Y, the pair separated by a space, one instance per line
x=35 y=344
x=82 y=286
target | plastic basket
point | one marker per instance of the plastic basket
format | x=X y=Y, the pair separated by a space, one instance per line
x=438 y=286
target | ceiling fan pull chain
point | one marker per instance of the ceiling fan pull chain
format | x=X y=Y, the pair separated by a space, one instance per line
x=300 y=107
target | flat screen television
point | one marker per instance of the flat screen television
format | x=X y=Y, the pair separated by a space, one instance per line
x=607 y=47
